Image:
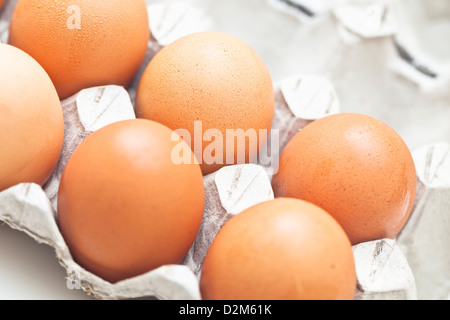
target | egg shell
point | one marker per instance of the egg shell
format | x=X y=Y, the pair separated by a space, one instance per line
x=214 y=78
x=124 y=207
x=284 y=249
x=31 y=121
x=83 y=43
x=355 y=167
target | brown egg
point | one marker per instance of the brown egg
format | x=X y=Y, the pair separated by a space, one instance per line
x=124 y=207
x=31 y=120
x=83 y=43
x=356 y=168
x=285 y=249
x=219 y=80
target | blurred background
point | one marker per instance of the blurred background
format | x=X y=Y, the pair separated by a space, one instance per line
x=388 y=58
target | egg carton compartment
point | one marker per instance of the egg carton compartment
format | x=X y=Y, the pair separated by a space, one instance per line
x=414 y=265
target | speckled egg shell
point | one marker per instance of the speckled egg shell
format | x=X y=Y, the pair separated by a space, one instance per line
x=124 y=207
x=286 y=249
x=356 y=168
x=83 y=43
x=210 y=77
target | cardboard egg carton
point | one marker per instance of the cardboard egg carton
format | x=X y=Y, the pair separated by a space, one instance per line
x=425 y=239
x=362 y=18
x=383 y=269
x=425 y=52
x=418 y=55
x=231 y=190
x=5 y=16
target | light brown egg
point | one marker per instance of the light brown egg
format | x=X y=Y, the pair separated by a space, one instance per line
x=285 y=249
x=31 y=120
x=124 y=207
x=356 y=168
x=214 y=78
x=83 y=43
